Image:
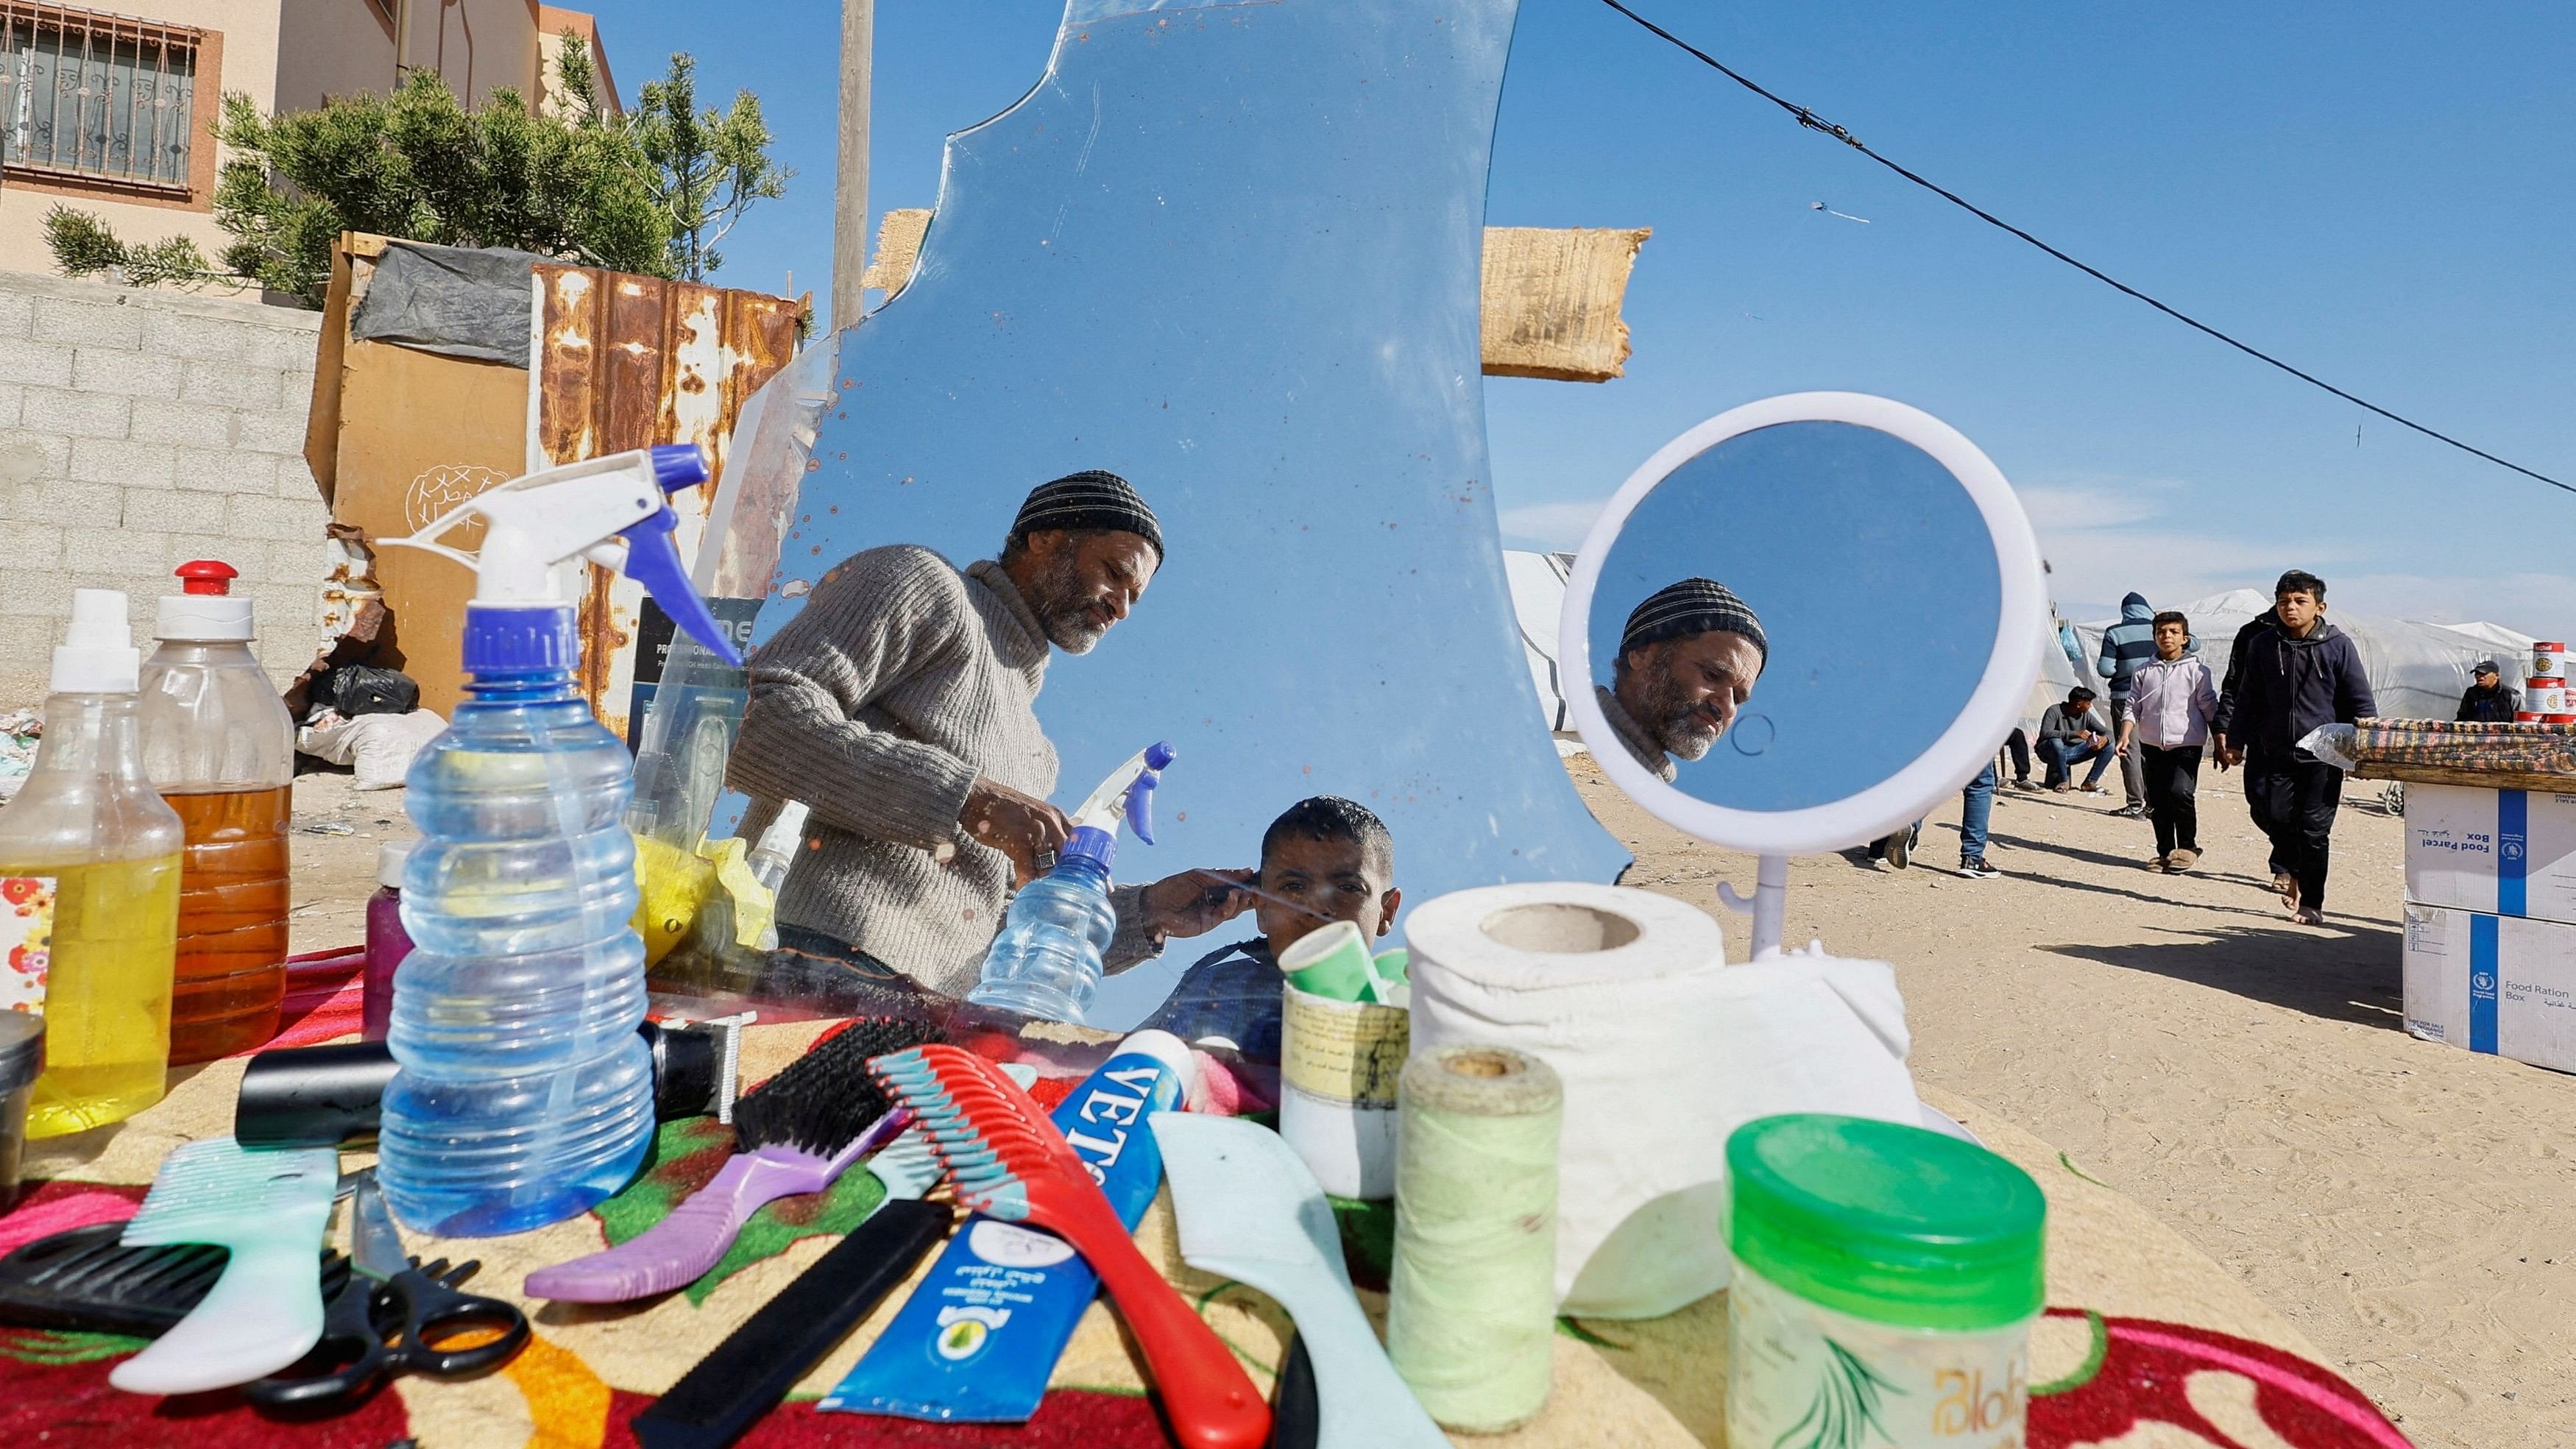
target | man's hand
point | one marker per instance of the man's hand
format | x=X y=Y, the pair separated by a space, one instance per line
x=1018 y=824
x=1196 y=902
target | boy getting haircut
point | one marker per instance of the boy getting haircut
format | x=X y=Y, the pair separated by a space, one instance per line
x=1324 y=859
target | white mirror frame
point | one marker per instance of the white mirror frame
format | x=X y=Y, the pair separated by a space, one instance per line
x=1952 y=760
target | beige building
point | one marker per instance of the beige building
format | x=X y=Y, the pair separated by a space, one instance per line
x=115 y=113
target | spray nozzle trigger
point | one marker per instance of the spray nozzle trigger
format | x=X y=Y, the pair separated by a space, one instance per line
x=1140 y=795
x=653 y=560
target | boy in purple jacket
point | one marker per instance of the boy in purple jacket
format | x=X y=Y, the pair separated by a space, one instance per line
x=2171 y=700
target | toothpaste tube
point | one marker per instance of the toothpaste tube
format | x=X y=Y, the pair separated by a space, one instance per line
x=978 y=1340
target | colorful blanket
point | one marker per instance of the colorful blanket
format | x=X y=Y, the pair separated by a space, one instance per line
x=2151 y=1342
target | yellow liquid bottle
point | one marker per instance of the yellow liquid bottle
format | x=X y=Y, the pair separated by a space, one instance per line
x=89 y=888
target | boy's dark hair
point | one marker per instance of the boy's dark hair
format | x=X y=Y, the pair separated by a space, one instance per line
x=2080 y=692
x=1330 y=817
x=2172 y=616
x=2300 y=581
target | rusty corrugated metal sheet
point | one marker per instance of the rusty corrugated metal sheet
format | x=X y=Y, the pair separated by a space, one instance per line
x=622 y=362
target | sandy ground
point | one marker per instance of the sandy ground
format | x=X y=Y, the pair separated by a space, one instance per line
x=2412 y=1207
x=337 y=832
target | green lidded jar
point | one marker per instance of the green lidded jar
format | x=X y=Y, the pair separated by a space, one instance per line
x=1885 y=1280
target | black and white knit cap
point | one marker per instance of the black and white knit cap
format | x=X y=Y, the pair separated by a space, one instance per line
x=1693 y=606
x=1088 y=499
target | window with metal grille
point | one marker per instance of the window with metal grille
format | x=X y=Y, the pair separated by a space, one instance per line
x=91 y=95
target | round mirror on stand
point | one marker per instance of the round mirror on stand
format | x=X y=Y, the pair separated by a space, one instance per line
x=1806 y=621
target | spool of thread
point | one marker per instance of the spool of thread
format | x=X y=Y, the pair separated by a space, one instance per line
x=1471 y=1313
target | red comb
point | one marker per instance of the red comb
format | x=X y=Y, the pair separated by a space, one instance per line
x=967 y=1108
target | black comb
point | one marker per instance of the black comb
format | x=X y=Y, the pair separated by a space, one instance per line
x=87 y=1279
x=824 y=1099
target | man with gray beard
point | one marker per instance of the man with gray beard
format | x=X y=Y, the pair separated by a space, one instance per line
x=1688 y=659
x=899 y=705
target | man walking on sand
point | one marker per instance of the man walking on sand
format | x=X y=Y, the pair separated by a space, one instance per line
x=2171 y=701
x=2287 y=680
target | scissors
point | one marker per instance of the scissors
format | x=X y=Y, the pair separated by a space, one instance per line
x=383 y=1321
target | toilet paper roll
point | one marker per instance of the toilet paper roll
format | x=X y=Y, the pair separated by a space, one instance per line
x=1663 y=1050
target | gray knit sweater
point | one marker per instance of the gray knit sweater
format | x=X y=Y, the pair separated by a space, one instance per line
x=1632 y=734
x=878 y=705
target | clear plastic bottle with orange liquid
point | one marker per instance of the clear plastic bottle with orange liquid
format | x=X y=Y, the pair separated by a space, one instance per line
x=219 y=745
x=89 y=887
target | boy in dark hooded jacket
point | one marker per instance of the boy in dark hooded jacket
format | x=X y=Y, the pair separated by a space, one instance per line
x=2285 y=680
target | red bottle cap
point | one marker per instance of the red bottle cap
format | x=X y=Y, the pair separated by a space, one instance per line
x=206 y=576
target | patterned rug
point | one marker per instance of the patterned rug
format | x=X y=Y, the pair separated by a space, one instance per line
x=2153 y=1344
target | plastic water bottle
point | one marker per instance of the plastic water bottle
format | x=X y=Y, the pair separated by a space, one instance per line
x=524 y=1094
x=1047 y=960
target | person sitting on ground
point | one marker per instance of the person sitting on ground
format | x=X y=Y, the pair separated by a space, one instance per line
x=2171 y=700
x=2488 y=698
x=2071 y=733
x=1688 y=659
x=1324 y=859
x=2296 y=676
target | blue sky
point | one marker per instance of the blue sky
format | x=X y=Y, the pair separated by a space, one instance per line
x=2381 y=193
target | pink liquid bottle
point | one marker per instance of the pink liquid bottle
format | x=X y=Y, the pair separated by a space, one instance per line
x=387 y=942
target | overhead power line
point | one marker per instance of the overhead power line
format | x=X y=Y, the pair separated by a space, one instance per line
x=1814 y=122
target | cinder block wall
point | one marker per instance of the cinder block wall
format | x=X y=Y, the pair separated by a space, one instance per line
x=141 y=429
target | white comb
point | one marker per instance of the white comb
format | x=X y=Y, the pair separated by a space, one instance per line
x=271 y=1209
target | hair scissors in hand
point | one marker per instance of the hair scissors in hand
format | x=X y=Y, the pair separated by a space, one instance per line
x=384 y=1322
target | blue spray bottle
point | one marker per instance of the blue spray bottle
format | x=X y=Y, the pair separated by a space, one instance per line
x=1047 y=960
x=524 y=1094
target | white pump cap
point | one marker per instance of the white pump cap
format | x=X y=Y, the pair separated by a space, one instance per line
x=207 y=612
x=97 y=655
x=389 y=863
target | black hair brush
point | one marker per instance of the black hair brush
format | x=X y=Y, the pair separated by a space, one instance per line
x=798 y=1132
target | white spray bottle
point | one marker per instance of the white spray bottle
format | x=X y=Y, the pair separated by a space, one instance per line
x=1047 y=961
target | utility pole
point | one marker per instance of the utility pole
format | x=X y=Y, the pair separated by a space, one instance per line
x=850 y=219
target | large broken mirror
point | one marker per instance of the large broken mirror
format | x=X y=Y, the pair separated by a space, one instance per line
x=1805 y=622
x=1229 y=253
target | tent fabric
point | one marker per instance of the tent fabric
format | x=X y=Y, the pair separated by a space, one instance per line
x=1538 y=600
x=2417 y=670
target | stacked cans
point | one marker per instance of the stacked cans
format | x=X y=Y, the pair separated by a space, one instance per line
x=2545 y=698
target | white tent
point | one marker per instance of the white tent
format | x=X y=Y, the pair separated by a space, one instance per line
x=2417 y=670
x=1538 y=598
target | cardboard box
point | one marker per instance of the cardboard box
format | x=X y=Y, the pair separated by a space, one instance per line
x=2506 y=852
x=2492 y=984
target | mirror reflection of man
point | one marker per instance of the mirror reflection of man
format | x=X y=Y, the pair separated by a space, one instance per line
x=899 y=706
x=1688 y=660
